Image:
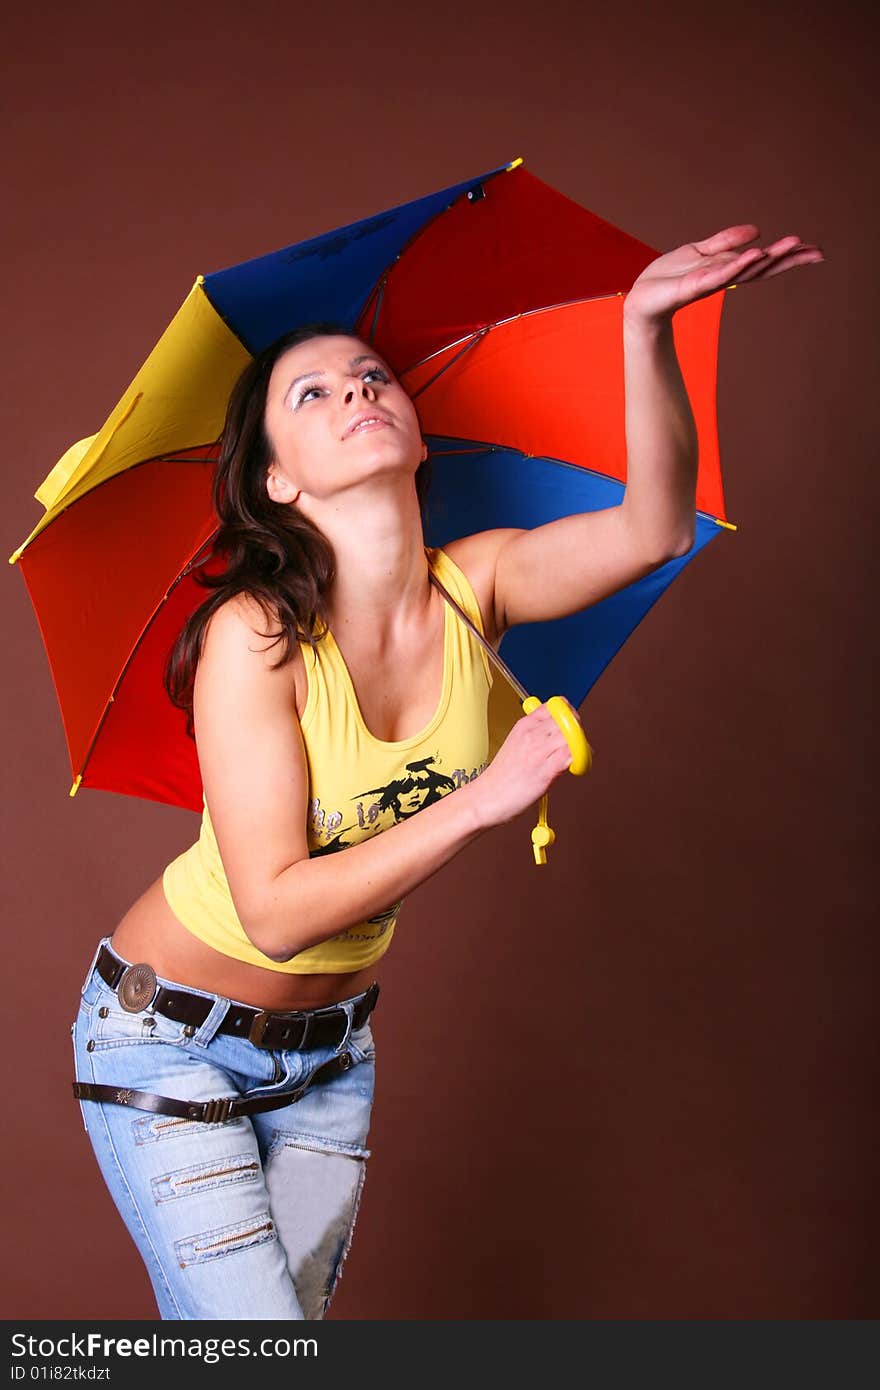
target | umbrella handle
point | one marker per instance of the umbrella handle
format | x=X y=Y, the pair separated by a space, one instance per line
x=581 y=761
x=566 y=718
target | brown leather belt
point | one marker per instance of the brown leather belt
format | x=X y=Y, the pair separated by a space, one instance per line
x=137 y=988
x=212 y=1112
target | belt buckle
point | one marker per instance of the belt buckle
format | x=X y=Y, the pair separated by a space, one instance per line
x=217 y=1111
x=137 y=988
x=257 y=1031
x=258 y=1027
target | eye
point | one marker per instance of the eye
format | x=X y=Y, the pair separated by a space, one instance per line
x=370 y=371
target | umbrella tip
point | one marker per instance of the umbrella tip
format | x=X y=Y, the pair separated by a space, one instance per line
x=16 y=555
x=514 y=162
x=75 y=788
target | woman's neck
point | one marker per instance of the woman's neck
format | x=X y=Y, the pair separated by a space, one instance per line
x=381 y=583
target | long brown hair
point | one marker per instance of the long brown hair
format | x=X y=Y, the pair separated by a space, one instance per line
x=271 y=550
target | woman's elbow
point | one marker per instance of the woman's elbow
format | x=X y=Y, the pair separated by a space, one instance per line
x=279 y=944
x=274 y=952
x=262 y=932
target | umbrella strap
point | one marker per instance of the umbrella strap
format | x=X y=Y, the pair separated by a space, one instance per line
x=490 y=650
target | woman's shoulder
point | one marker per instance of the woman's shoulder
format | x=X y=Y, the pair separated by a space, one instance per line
x=243 y=627
x=475 y=557
x=238 y=626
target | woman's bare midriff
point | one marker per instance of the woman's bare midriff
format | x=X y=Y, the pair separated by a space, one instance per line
x=150 y=932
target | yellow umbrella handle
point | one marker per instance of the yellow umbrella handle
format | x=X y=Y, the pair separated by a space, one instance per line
x=581 y=761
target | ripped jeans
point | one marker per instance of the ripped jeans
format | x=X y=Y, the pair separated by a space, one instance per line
x=249 y=1218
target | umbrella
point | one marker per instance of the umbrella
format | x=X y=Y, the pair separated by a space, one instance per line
x=498 y=303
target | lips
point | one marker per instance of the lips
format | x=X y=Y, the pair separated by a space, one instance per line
x=362 y=418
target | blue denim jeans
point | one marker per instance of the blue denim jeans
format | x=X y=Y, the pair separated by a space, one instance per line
x=249 y=1218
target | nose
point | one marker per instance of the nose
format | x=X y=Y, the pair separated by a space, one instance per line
x=350 y=391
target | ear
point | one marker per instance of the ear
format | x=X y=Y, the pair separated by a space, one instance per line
x=424 y=450
x=279 y=488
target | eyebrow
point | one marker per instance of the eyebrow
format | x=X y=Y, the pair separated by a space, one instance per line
x=355 y=361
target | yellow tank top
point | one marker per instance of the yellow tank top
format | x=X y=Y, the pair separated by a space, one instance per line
x=358 y=787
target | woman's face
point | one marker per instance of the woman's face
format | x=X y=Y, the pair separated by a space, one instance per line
x=315 y=392
x=414 y=797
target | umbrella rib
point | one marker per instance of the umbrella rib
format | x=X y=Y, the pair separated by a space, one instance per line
x=470 y=343
x=419 y=231
x=470 y=338
x=129 y=468
x=379 y=297
x=486 y=448
x=199 y=554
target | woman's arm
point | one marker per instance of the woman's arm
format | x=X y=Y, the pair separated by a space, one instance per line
x=566 y=565
x=659 y=501
x=313 y=899
x=569 y=564
x=255 y=777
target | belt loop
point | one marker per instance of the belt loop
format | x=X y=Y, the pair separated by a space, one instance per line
x=208 y=1029
x=348 y=1006
x=105 y=941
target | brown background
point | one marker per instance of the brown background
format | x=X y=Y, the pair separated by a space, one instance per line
x=637 y=1084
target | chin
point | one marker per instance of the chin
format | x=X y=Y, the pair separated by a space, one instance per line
x=384 y=464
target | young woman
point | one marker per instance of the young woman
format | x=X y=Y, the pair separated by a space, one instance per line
x=225 y=1059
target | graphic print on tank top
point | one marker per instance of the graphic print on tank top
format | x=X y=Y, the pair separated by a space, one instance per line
x=419 y=784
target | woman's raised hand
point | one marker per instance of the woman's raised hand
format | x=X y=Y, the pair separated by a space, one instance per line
x=532 y=756
x=700 y=268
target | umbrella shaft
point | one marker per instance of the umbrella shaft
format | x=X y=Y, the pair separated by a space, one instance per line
x=502 y=665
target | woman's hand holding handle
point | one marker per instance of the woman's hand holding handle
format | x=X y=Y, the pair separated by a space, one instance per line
x=534 y=754
x=566 y=717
